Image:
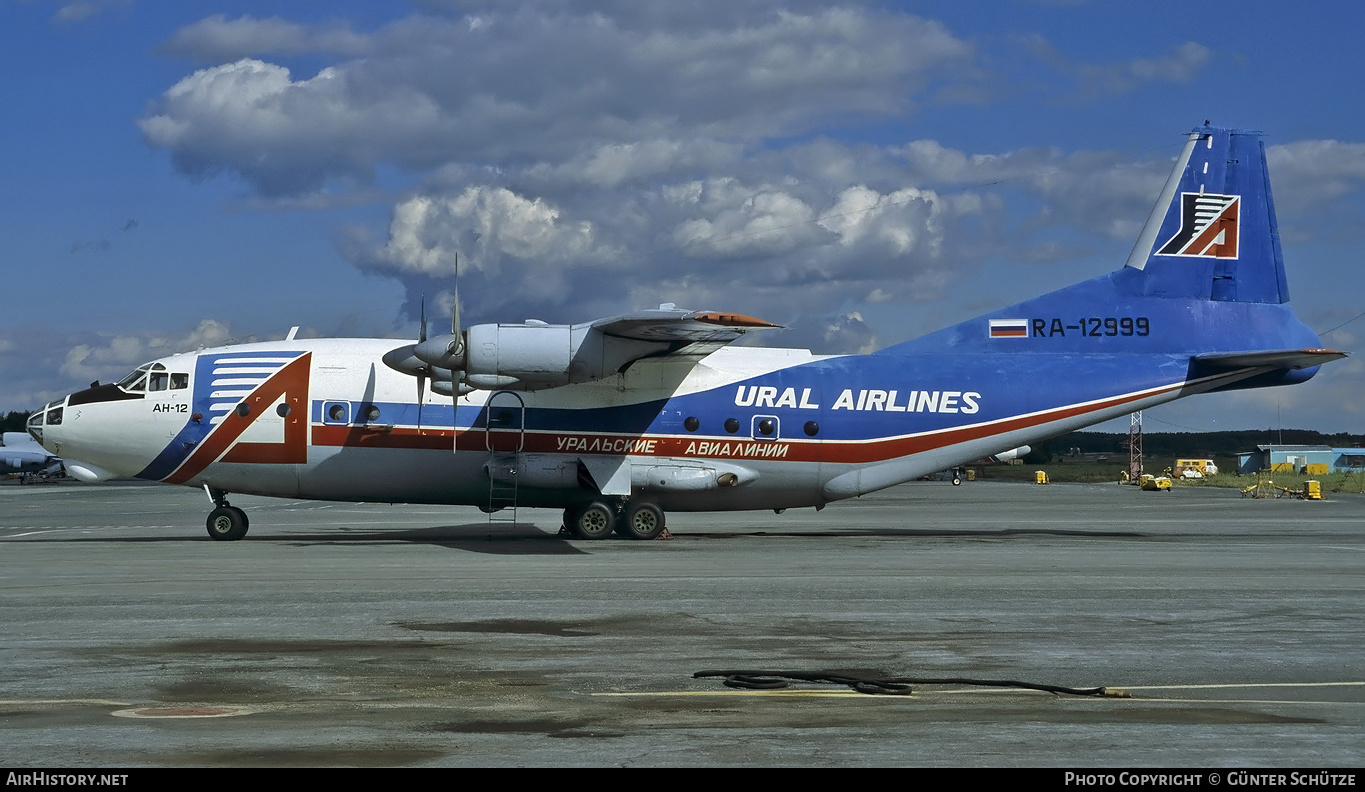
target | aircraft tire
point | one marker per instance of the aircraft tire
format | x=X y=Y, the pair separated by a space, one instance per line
x=227 y=523
x=957 y=481
x=594 y=521
x=643 y=521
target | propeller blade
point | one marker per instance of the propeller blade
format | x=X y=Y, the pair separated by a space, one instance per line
x=458 y=350
x=421 y=398
x=421 y=375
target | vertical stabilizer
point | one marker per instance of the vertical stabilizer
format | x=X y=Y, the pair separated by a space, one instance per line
x=1213 y=233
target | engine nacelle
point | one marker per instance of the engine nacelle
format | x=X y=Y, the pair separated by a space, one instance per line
x=1013 y=453
x=532 y=356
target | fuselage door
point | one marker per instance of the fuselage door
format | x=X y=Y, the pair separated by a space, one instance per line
x=505 y=423
x=168 y=397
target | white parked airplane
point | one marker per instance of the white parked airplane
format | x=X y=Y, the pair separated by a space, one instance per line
x=21 y=456
x=618 y=420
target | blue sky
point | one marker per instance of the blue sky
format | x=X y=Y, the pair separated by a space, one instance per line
x=186 y=174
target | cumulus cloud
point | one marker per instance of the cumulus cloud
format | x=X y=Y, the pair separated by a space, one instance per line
x=740 y=222
x=838 y=227
x=1101 y=192
x=111 y=357
x=78 y=10
x=898 y=221
x=219 y=39
x=519 y=84
x=1310 y=172
x=490 y=224
x=511 y=249
x=612 y=165
x=1180 y=65
x=584 y=162
x=27 y=353
x=284 y=136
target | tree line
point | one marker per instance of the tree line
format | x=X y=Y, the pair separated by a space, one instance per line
x=1187 y=445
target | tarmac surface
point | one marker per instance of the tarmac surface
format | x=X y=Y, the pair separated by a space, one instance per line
x=376 y=635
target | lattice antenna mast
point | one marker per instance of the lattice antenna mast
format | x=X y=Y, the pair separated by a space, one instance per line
x=1135 y=447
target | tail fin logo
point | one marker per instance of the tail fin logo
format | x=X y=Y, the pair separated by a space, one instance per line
x=1208 y=227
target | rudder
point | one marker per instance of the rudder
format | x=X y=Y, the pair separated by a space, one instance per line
x=1213 y=234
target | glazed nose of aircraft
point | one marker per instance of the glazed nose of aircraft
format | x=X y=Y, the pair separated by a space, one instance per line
x=49 y=416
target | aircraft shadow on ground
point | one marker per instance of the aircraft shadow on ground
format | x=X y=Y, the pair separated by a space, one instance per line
x=947 y=533
x=515 y=539
x=510 y=539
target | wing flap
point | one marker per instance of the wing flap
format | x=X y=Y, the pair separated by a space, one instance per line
x=671 y=324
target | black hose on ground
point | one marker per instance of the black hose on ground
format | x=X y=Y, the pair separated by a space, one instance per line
x=892 y=686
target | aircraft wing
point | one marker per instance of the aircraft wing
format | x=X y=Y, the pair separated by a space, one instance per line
x=537 y=355
x=1275 y=358
x=670 y=324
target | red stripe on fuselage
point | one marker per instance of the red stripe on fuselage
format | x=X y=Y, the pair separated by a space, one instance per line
x=713 y=447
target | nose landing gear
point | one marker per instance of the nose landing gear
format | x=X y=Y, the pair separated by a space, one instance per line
x=226 y=523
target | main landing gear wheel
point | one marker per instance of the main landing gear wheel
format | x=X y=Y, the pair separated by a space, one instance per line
x=594 y=521
x=227 y=523
x=643 y=521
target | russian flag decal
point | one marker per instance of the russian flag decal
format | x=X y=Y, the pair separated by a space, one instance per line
x=1009 y=328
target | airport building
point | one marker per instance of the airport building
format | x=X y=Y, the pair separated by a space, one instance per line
x=1311 y=459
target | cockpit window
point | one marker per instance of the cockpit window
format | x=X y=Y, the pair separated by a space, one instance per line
x=136 y=381
x=154 y=377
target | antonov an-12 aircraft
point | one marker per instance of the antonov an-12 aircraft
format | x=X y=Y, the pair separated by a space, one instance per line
x=619 y=420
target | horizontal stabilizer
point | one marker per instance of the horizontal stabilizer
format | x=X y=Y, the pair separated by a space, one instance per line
x=1274 y=358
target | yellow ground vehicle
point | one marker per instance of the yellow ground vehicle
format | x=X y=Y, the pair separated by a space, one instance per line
x=1204 y=467
x=1154 y=483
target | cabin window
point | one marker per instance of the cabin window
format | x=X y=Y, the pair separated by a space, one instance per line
x=764 y=427
x=812 y=428
x=731 y=425
x=691 y=423
x=243 y=410
x=336 y=412
x=282 y=410
x=180 y=381
x=372 y=414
